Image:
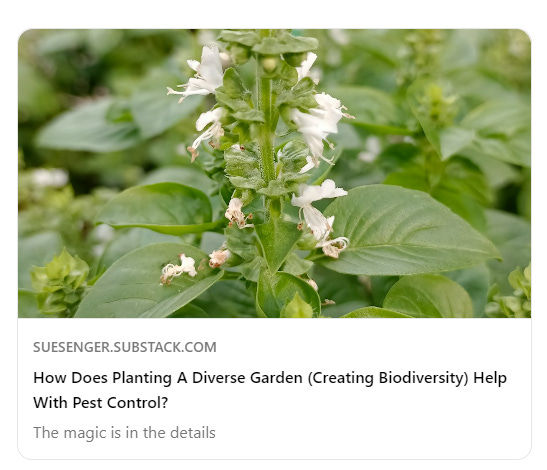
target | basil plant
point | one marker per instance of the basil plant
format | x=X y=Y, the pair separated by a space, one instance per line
x=268 y=228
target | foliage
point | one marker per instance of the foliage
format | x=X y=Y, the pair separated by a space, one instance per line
x=429 y=216
x=60 y=285
x=518 y=305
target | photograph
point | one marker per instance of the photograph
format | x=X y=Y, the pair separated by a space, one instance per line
x=274 y=173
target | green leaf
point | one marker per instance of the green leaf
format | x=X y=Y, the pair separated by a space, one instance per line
x=169 y=208
x=496 y=148
x=243 y=168
x=373 y=109
x=462 y=176
x=340 y=288
x=247 y=38
x=375 y=312
x=126 y=240
x=397 y=156
x=293 y=156
x=291 y=159
x=235 y=104
x=276 y=290
x=299 y=96
x=36 y=250
x=478 y=86
x=497 y=173
x=459 y=177
x=297 y=308
x=285 y=43
x=296 y=265
x=463 y=205
x=241 y=242
x=228 y=299
x=251 y=269
x=249 y=115
x=412 y=177
x=512 y=235
x=131 y=287
x=187 y=175
x=380 y=286
x=62 y=272
x=462 y=187
x=430 y=296
x=153 y=110
x=452 y=139
x=521 y=279
x=27 y=305
x=494 y=118
x=239 y=54
x=397 y=231
x=233 y=85
x=476 y=281
x=88 y=128
x=278 y=238
x=189 y=311
x=503 y=129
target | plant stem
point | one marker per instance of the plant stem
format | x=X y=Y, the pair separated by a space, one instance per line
x=264 y=98
x=266 y=135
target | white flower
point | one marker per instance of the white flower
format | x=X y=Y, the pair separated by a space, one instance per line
x=214 y=132
x=53 y=178
x=208 y=75
x=333 y=247
x=316 y=125
x=234 y=214
x=314 y=130
x=226 y=60
x=170 y=271
x=320 y=226
x=304 y=69
x=219 y=257
x=309 y=194
x=373 y=148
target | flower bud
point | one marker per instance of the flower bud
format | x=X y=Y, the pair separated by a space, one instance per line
x=295 y=59
x=239 y=53
x=60 y=285
x=307 y=241
x=270 y=63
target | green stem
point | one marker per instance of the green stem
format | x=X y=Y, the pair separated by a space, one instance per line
x=266 y=135
x=264 y=90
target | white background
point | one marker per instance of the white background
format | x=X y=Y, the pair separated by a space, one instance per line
x=289 y=421
x=19 y=16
